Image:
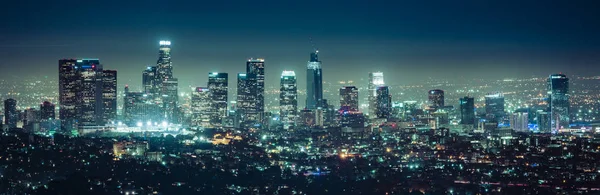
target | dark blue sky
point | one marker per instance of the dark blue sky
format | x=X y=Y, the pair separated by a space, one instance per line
x=411 y=40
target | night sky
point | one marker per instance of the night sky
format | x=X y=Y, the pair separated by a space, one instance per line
x=411 y=40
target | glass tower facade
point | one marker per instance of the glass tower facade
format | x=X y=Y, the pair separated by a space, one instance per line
x=217 y=85
x=201 y=107
x=349 y=98
x=314 y=82
x=558 y=94
x=288 y=99
x=467 y=111
x=375 y=80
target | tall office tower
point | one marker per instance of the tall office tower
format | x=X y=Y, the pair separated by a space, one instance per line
x=314 y=82
x=543 y=121
x=246 y=100
x=47 y=111
x=467 y=111
x=165 y=83
x=89 y=94
x=494 y=107
x=170 y=99
x=519 y=121
x=349 y=98
x=375 y=80
x=384 y=102
x=164 y=68
x=68 y=83
x=109 y=95
x=255 y=68
x=140 y=108
x=11 y=116
x=201 y=107
x=436 y=98
x=288 y=99
x=217 y=85
x=149 y=79
x=558 y=94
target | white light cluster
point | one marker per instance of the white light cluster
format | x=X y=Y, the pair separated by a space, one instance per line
x=165 y=42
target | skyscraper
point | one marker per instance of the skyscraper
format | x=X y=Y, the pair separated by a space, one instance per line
x=375 y=80
x=558 y=95
x=89 y=94
x=149 y=79
x=543 y=121
x=519 y=121
x=494 y=107
x=467 y=111
x=246 y=100
x=436 y=98
x=68 y=83
x=47 y=111
x=109 y=95
x=139 y=108
x=349 y=98
x=384 y=102
x=11 y=116
x=201 y=107
x=255 y=70
x=288 y=99
x=314 y=82
x=165 y=83
x=217 y=85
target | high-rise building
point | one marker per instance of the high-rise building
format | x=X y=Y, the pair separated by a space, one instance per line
x=140 y=108
x=30 y=116
x=109 y=95
x=246 y=100
x=519 y=121
x=558 y=95
x=384 y=102
x=436 y=98
x=375 y=81
x=149 y=79
x=68 y=84
x=170 y=99
x=165 y=83
x=494 y=107
x=89 y=93
x=349 y=98
x=288 y=99
x=11 y=116
x=314 y=82
x=467 y=111
x=201 y=107
x=543 y=121
x=217 y=85
x=255 y=70
x=47 y=111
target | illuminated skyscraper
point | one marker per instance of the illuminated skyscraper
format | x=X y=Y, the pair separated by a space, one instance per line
x=467 y=111
x=314 y=82
x=436 y=98
x=558 y=95
x=201 y=107
x=288 y=99
x=109 y=95
x=349 y=98
x=149 y=79
x=375 y=80
x=140 y=108
x=494 y=107
x=47 y=111
x=255 y=71
x=165 y=83
x=89 y=94
x=519 y=121
x=11 y=116
x=246 y=100
x=68 y=83
x=217 y=85
x=384 y=102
